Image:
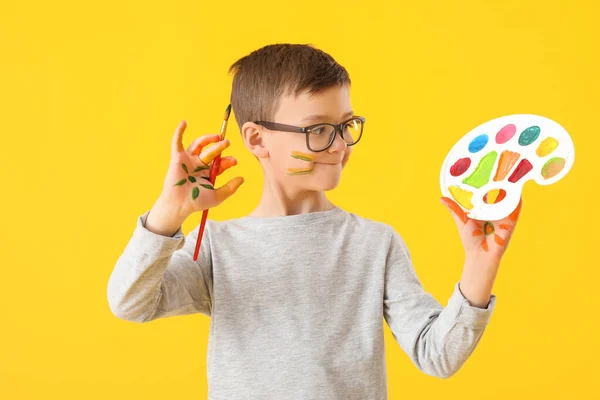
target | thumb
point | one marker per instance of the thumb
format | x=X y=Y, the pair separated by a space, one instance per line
x=458 y=215
x=227 y=190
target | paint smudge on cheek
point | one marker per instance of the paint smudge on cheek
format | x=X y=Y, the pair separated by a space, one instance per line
x=298 y=155
x=299 y=171
x=303 y=156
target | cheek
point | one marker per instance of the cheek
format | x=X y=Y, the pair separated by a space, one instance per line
x=347 y=154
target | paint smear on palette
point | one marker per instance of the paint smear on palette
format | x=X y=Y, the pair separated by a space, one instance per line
x=486 y=169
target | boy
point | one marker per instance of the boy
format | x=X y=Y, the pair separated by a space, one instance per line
x=296 y=291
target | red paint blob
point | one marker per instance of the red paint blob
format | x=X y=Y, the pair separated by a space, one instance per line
x=522 y=169
x=506 y=133
x=460 y=166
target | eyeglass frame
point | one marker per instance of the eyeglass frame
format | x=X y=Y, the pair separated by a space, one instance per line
x=306 y=130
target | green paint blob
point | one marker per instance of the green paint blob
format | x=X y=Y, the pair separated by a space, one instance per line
x=192 y=179
x=195 y=193
x=482 y=173
x=201 y=168
x=184 y=168
x=207 y=187
x=529 y=135
x=553 y=167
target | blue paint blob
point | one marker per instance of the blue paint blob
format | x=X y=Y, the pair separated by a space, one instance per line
x=478 y=143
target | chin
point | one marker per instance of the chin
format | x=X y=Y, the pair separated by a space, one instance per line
x=325 y=182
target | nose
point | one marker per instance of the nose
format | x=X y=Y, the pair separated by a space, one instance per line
x=339 y=144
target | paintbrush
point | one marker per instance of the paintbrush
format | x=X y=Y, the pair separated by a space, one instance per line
x=213 y=177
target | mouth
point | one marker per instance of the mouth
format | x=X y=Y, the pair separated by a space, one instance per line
x=324 y=163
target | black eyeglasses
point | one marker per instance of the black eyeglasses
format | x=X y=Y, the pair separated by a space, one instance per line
x=320 y=136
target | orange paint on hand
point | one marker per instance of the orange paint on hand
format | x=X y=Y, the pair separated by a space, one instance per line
x=499 y=240
x=226 y=163
x=515 y=214
x=456 y=209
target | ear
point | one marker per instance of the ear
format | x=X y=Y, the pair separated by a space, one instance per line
x=253 y=136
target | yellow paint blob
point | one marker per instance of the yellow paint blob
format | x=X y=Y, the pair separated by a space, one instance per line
x=547 y=146
x=462 y=197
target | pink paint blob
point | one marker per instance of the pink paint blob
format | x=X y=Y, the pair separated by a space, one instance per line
x=506 y=133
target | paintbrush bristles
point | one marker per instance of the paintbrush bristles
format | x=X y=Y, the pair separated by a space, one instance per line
x=225 y=118
x=227 y=112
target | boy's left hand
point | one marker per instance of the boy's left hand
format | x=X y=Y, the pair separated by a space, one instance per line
x=483 y=240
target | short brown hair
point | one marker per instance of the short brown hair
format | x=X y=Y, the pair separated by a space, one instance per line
x=266 y=74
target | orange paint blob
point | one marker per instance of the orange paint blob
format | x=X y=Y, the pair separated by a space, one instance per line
x=508 y=159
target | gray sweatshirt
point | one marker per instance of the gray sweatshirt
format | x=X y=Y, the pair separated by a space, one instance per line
x=296 y=304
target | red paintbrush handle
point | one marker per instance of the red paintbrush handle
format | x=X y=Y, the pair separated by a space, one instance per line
x=213 y=177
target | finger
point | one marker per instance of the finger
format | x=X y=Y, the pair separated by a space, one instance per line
x=199 y=143
x=514 y=216
x=177 y=142
x=225 y=191
x=210 y=153
x=459 y=216
x=225 y=164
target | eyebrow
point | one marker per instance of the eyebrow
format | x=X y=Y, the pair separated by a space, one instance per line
x=316 y=117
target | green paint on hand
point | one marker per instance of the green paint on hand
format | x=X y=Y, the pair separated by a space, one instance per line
x=201 y=168
x=207 y=187
x=184 y=168
x=195 y=193
x=181 y=182
x=482 y=173
x=192 y=179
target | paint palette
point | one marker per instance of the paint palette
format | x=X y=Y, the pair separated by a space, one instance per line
x=486 y=169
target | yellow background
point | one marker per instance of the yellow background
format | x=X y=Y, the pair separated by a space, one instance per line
x=92 y=91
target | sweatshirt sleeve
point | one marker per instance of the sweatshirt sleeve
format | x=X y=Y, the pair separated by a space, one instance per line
x=438 y=340
x=156 y=276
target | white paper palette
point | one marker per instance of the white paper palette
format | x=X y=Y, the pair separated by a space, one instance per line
x=486 y=169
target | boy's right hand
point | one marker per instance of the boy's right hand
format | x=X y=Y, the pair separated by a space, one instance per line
x=187 y=188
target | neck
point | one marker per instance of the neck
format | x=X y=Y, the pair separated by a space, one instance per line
x=275 y=201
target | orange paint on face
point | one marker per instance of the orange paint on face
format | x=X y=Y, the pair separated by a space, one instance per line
x=299 y=171
x=303 y=156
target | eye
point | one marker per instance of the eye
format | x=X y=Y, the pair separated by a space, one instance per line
x=319 y=130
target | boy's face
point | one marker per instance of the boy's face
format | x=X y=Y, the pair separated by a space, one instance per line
x=286 y=158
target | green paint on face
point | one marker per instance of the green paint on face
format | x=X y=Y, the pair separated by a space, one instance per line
x=305 y=172
x=302 y=158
